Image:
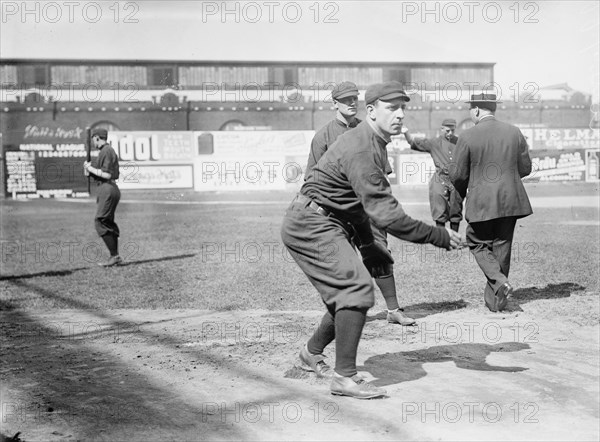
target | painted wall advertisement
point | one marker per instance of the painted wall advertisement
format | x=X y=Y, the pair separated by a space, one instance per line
x=543 y=138
x=572 y=165
x=549 y=165
x=153 y=147
x=48 y=162
x=253 y=161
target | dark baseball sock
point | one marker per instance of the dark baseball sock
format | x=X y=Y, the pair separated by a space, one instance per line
x=349 y=324
x=112 y=242
x=454 y=226
x=387 y=286
x=323 y=336
x=440 y=224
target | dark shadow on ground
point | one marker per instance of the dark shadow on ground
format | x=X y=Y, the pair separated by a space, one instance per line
x=70 y=271
x=393 y=368
x=77 y=392
x=14 y=438
x=551 y=291
x=418 y=311
x=106 y=391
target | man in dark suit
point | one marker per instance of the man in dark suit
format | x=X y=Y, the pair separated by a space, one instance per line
x=491 y=159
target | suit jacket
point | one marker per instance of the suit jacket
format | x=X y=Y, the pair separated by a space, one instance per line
x=491 y=159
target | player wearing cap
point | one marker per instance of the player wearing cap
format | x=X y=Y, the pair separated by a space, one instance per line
x=348 y=185
x=491 y=159
x=345 y=101
x=105 y=173
x=444 y=201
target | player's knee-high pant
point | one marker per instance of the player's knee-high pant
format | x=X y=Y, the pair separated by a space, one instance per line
x=444 y=201
x=456 y=206
x=490 y=243
x=322 y=248
x=107 y=200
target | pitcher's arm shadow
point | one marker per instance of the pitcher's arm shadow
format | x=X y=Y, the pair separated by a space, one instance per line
x=394 y=368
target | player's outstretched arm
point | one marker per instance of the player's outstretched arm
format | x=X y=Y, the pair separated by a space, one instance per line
x=412 y=230
x=419 y=144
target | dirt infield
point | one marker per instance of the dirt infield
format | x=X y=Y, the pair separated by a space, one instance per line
x=462 y=374
x=181 y=344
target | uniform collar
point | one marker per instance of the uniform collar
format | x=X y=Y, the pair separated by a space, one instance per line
x=378 y=132
x=340 y=118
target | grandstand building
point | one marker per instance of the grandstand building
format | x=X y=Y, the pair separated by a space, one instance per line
x=183 y=112
x=216 y=95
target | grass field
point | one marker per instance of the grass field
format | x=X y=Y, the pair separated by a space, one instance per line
x=215 y=252
x=201 y=326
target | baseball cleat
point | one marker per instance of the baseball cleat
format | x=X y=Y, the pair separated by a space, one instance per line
x=397 y=317
x=314 y=363
x=355 y=387
x=113 y=261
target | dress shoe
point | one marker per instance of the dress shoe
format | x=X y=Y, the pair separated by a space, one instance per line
x=498 y=301
x=504 y=292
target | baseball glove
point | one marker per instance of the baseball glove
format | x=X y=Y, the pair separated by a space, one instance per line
x=377 y=259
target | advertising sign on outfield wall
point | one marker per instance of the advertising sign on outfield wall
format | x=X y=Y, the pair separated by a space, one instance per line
x=543 y=138
x=47 y=166
x=154 y=146
x=552 y=165
x=269 y=160
x=592 y=165
x=156 y=176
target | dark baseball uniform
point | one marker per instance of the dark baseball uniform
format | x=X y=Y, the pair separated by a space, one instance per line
x=349 y=184
x=322 y=140
x=108 y=194
x=325 y=137
x=491 y=159
x=444 y=201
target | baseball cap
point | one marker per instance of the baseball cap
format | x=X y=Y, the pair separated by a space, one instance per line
x=102 y=133
x=449 y=122
x=343 y=90
x=385 y=91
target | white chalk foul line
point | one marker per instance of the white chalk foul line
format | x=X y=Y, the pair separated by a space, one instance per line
x=536 y=202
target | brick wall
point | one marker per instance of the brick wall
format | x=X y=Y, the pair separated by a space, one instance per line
x=423 y=117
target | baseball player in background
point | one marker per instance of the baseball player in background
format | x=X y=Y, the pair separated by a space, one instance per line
x=105 y=172
x=445 y=202
x=345 y=190
x=491 y=159
x=345 y=101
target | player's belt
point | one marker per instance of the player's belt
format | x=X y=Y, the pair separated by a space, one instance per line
x=307 y=202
